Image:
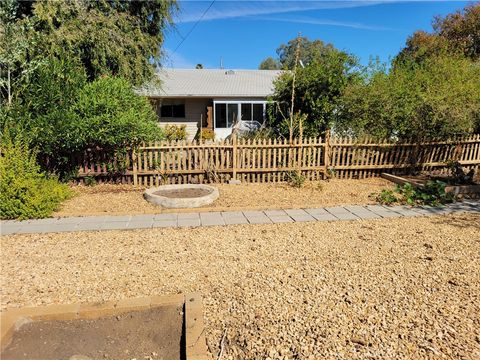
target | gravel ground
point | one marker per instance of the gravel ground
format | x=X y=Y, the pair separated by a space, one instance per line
x=124 y=199
x=403 y=288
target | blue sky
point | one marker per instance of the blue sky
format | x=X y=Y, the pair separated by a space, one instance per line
x=243 y=33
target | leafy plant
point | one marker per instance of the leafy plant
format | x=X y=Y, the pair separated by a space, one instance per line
x=26 y=192
x=296 y=178
x=458 y=174
x=386 y=197
x=175 y=132
x=432 y=193
x=206 y=134
x=89 y=180
x=65 y=116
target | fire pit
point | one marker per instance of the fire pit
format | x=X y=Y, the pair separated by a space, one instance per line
x=181 y=196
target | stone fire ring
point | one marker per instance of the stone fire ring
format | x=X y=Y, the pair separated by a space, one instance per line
x=181 y=196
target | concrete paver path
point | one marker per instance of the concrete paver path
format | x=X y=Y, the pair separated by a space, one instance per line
x=196 y=219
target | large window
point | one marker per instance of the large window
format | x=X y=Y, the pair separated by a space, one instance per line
x=227 y=113
x=172 y=110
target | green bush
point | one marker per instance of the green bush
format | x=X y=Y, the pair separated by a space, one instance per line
x=433 y=193
x=206 y=134
x=296 y=178
x=25 y=192
x=63 y=115
x=386 y=197
x=175 y=132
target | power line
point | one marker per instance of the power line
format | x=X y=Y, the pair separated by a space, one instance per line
x=193 y=27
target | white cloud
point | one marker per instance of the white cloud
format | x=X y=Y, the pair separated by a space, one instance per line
x=315 y=21
x=240 y=9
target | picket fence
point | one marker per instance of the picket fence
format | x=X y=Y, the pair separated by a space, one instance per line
x=274 y=160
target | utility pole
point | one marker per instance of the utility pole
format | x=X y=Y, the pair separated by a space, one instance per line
x=297 y=55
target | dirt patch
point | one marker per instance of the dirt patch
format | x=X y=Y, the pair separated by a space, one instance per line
x=405 y=288
x=187 y=193
x=125 y=199
x=150 y=334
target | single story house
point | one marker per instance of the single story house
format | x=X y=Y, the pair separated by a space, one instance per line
x=211 y=98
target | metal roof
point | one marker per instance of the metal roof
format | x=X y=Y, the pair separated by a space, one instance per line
x=211 y=83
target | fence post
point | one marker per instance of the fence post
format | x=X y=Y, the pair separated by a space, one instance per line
x=134 y=164
x=234 y=156
x=326 y=160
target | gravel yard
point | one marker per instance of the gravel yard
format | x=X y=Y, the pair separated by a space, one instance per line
x=125 y=199
x=401 y=288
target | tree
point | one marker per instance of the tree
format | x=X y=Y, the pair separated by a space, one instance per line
x=63 y=115
x=121 y=38
x=318 y=87
x=199 y=66
x=439 y=97
x=457 y=33
x=269 y=64
x=310 y=51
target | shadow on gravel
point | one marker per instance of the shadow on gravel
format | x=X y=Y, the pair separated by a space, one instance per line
x=459 y=220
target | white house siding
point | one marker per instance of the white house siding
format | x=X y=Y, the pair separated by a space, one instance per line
x=195 y=109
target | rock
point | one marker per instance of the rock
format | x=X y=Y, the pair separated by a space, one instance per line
x=79 y=357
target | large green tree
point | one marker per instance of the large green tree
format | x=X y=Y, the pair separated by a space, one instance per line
x=62 y=115
x=456 y=33
x=109 y=37
x=318 y=85
x=439 y=97
x=269 y=64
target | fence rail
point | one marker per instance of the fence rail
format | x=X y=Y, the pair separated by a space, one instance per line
x=273 y=160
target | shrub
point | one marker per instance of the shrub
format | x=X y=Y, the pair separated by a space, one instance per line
x=64 y=115
x=25 y=192
x=206 y=134
x=458 y=175
x=433 y=193
x=386 y=197
x=263 y=133
x=296 y=178
x=175 y=132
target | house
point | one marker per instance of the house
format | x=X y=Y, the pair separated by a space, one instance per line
x=211 y=98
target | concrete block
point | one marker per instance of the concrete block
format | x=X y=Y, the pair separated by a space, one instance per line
x=188 y=222
x=317 y=211
x=140 y=224
x=164 y=223
x=116 y=225
x=211 y=219
x=231 y=220
x=85 y=226
x=281 y=219
x=166 y=217
x=144 y=218
x=185 y=216
x=325 y=217
x=345 y=215
x=337 y=210
x=271 y=213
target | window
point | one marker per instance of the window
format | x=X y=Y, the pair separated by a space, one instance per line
x=172 y=110
x=247 y=111
x=227 y=113
x=258 y=112
x=221 y=115
x=232 y=114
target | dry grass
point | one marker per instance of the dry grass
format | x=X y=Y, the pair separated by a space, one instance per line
x=123 y=199
x=405 y=288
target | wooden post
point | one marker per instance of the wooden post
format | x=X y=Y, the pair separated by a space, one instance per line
x=234 y=156
x=326 y=152
x=135 y=164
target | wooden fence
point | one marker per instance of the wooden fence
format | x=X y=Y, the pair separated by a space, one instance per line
x=274 y=160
